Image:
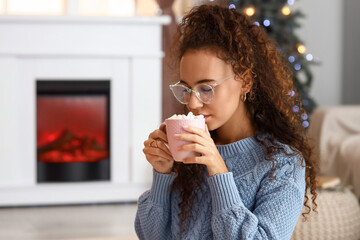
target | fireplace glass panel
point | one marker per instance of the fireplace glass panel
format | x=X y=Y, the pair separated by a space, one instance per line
x=73 y=131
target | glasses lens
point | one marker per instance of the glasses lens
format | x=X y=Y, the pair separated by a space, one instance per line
x=181 y=93
x=206 y=92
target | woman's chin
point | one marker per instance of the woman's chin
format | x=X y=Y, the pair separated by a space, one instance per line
x=210 y=128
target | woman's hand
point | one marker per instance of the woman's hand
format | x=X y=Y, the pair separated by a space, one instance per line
x=157 y=153
x=203 y=144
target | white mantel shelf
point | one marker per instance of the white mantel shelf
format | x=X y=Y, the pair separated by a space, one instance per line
x=125 y=50
x=164 y=19
x=81 y=36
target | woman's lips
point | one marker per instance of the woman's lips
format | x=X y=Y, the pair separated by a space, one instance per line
x=205 y=116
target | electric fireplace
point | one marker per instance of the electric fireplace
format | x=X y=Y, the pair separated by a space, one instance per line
x=72 y=119
x=76 y=107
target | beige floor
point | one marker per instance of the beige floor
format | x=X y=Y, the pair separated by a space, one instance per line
x=85 y=222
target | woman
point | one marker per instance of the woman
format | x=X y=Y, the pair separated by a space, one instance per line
x=255 y=165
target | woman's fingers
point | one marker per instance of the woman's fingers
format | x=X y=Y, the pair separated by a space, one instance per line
x=155 y=158
x=158 y=134
x=163 y=147
x=157 y=152
x=195 y=160
x=198 y=131
x=159 y=143
x=148 y=142
x=204 y=153
x=193 y=138
x=195 y=147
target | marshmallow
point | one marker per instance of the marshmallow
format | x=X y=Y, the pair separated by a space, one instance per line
x=189 y=116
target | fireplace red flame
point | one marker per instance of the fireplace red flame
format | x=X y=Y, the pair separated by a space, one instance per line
x=72 y=129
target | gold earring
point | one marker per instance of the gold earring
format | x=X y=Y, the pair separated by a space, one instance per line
x=243 y=97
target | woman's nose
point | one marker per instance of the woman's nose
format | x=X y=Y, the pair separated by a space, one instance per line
x=194 y=102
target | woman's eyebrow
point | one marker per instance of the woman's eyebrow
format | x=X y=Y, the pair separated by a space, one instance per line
x=200 y=81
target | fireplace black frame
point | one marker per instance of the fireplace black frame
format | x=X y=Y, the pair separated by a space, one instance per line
x=75 y=171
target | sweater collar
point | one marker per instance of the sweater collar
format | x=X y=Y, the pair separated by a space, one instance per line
x=242 y=146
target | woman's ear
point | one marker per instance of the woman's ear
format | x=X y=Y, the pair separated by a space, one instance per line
x=246 y=81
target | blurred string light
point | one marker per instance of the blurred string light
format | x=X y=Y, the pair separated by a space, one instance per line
x=309 y=57
x=257 y=23
x=286 y=11
x=250 y=11
x=305 y=102
x=291 y=59
x=232 y=6
x=291 y=93
x=301 y=48
x=291 y=2
x=305 y=124
x=297 y=67
x=266 y=22
x=304 y=116
x=296 y=108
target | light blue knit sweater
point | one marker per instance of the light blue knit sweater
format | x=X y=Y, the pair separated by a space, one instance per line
x=241 y=204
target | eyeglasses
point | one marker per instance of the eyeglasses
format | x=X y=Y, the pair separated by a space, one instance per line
x=203 y=91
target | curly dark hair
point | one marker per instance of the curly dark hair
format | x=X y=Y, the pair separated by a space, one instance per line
x=238 y=41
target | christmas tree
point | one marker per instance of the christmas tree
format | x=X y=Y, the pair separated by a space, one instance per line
x=280 y=22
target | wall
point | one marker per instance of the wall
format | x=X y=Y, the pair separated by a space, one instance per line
x=351 y=49
x=321 y=31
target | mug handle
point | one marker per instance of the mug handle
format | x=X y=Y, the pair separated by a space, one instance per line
x=163 y=128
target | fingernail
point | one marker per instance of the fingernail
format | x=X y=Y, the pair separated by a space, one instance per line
x=176 y=135
x=186 y=127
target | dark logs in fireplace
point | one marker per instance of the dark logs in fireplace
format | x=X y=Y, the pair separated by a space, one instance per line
x=73 y=125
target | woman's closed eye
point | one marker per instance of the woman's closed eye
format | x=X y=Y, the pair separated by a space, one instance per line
x=187 y=90
x=205 y=89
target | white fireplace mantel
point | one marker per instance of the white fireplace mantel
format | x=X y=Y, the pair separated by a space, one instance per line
x=126 y=51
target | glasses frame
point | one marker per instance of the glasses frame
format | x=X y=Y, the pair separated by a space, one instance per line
x=197 y=94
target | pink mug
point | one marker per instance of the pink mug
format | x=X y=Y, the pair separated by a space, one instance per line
x=175 y=126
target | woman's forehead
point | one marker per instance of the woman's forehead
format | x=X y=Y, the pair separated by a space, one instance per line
x=202 y=56
x=202 y=65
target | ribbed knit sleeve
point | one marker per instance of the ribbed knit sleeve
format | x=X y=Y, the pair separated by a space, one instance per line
x=160 y=189
x=224 y=193
x=153 y=215
x=278 y=206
